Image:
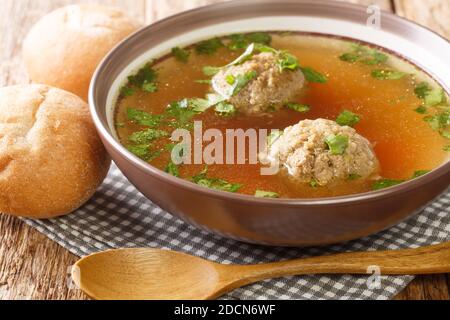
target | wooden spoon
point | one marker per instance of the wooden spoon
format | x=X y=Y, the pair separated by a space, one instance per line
x=146 y=274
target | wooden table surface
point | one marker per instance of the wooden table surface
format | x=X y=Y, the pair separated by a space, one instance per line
x=34 y=267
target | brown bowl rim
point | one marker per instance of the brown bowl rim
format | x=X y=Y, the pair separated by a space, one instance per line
x=249 y=199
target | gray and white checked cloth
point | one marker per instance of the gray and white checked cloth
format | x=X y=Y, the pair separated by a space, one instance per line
x=119 y=216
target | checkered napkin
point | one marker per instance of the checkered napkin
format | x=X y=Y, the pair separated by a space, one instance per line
x=119 y=216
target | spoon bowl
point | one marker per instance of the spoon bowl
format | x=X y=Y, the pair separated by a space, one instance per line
x=137 y=274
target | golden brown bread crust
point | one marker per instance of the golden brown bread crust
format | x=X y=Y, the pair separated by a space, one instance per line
x=51 y=158
x=64 y=48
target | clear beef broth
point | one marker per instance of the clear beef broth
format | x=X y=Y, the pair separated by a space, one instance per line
x=403 y=142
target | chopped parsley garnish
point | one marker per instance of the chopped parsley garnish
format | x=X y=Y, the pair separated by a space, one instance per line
x=419 y=173
x=182 y=113
x=141 y=150
x=386 y=183
x=422 y=89
x=313 y=183
x=143 y=118
x=387 y=74
x=421 y=109
x=353 y=177
x=195 y=104
x=208 y=81
x=266 y=194
x=435 y=97
x=211 y=71
x=230 y=79
x=209 y=47
x=225 y=109
x=430 y=96
x=312 y=75
x=172 y=169
x=287 y=61
x=144 y=76
x=127 y=91
x=181 y=54
x=337 y=144
x=364 y=55
x=147 y=136
x=241 y=81
x=440 y=122
x=149 y=87
x=447 y=148
x=241 y=41
x=202 y=179
x=298 y=107
x=348 y=118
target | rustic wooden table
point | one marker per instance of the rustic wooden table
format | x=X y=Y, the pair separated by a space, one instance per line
x=34 y=267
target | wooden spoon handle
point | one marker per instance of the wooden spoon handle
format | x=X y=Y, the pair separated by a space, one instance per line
x=424 y=260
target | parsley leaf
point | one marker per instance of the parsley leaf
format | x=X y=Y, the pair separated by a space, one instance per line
x=439 y=122
x=181 y=55
x=386 y=183
x=230 y=79
x=225 y=109
x=421 y=109
x=241 y=41
x=127 y=91
x=172 y=169
x=202 y=179
x=350 y=57
x=374 y=58
x=353 y=177
x=146 y=136
x=287 y=61
x=298 y=107
x=419 y=173
x=435 y=97
x=142 y=150
x=209 y=47
x=266 y=194
x=211 y=71
x=313 y=183
x=387 y=74
x=348 y=118
x=430 y=96
x=313 y=76
x=196 y=104
x=337 y=144
x=241 y=81
x=149 y=87
x=182 y=113
x=143 y=118
x=144 y=75
x=422 y=89
x=364 y=55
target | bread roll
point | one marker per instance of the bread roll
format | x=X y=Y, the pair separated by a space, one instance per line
x=64 y=48
x=51 y=158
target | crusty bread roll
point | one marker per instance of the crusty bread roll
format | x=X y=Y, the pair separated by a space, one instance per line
x=51 y=158
x=64 y=47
